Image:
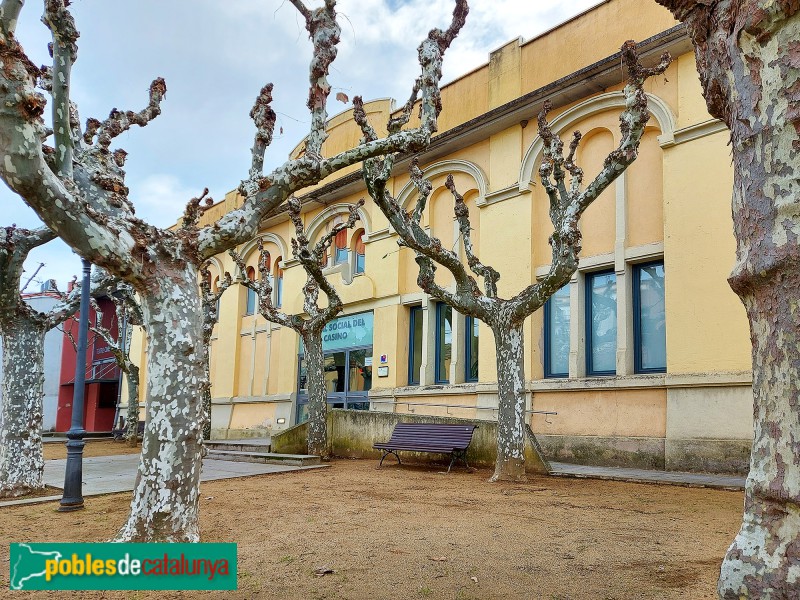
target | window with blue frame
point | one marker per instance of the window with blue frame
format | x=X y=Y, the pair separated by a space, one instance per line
x=649 y=321
x=250 y=307
x=471 y=350
x=360 y=252
x=278 y=284
x=601 y=323
x=340 y=251
x=444 y=342
x=415 y=345
x=556 y=334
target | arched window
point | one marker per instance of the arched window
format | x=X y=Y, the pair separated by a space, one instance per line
x=360 y=252
x=251 y=294
x=340 y=251
x=278 y=283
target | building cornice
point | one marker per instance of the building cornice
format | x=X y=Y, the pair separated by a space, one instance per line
x=578 y=85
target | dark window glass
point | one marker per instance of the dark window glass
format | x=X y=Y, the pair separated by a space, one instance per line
x=360 y=375
x=471 y=354
x=650 y=332
x=556 y=334
x=333 y=372
x=601 y=323
x=444 y=345
x=360 y=253
x=415 y=346
x=250 y=307
x=278 y=287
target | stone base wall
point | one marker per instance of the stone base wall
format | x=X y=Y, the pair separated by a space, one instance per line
x=699 y=455
x=352 y=434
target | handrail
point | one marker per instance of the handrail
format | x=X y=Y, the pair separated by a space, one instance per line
x=410 y=404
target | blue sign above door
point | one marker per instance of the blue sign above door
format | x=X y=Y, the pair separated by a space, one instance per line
x=351 y=331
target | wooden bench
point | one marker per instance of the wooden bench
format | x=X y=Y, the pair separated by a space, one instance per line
x=426 y=437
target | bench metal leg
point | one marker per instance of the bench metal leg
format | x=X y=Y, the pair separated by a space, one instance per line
x=387 y=453
x=456 y=455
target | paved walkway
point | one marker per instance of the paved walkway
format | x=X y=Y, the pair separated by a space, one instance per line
x=111 y=474
x=726 y=482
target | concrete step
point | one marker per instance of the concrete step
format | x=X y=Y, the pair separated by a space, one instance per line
x=238 y=446
x=298 y=460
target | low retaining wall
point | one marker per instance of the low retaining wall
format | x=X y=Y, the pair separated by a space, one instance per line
x=351 y=434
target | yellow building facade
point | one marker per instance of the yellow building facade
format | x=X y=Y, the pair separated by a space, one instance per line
x=645 y=356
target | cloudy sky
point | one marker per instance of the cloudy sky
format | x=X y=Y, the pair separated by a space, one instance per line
x=215 y=56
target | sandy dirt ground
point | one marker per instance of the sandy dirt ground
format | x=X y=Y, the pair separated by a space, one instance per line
x=93 y=447
x=412 y=532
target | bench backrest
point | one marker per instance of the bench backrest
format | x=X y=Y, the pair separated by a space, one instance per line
x=423 y=435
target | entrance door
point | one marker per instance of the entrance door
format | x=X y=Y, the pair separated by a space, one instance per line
x=348 y=379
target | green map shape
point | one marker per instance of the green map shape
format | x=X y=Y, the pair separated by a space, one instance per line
x=29 y=564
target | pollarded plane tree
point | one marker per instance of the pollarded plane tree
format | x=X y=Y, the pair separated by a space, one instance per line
x=77 y=188
x=23 y=329
x=309 y=324
x=748 y=56
x=505 y=317
x=128 y=315
x=210 y=294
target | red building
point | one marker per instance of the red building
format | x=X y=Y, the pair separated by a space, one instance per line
x=102 y=374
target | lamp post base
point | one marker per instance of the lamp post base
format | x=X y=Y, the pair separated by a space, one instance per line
x=70 y=506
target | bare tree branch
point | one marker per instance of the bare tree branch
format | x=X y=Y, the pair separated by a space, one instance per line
x=506 y=317
x=324 y=31
x=429 y=249
x=264 y=193
x=264 y=118
x=195 y=209
x=567 y=206
x=119 y=122
x=424 y=189
x=311 y=259
x=263 y=289
x=64 y=50
x=9 y=13
x=490 y=276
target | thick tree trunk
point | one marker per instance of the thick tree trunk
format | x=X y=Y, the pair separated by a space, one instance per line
x=206 y=394
x=510 y=465
x=21 y=459
x=132 y=420
x=165 y=498
x=764 y=559
x=317 y=396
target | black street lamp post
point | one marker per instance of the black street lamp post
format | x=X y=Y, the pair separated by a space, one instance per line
x=73 y=477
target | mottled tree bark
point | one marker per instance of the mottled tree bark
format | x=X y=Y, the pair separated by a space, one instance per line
x=21 y=459
x=129 y=313
x=317 y=394
x=567 y=204
x=510 y=353
x=311 y=323
x=23 y=330
x=210 y=299
x=132 y=413
x=165 y=496
x=748 y=56
x=78 y=190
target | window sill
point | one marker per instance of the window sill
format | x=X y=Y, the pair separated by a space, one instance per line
x=598 y=382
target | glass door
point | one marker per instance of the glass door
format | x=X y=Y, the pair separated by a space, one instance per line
x=348 y=379
x=359 y=378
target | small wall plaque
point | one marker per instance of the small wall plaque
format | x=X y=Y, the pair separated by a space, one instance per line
x=383 y=371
